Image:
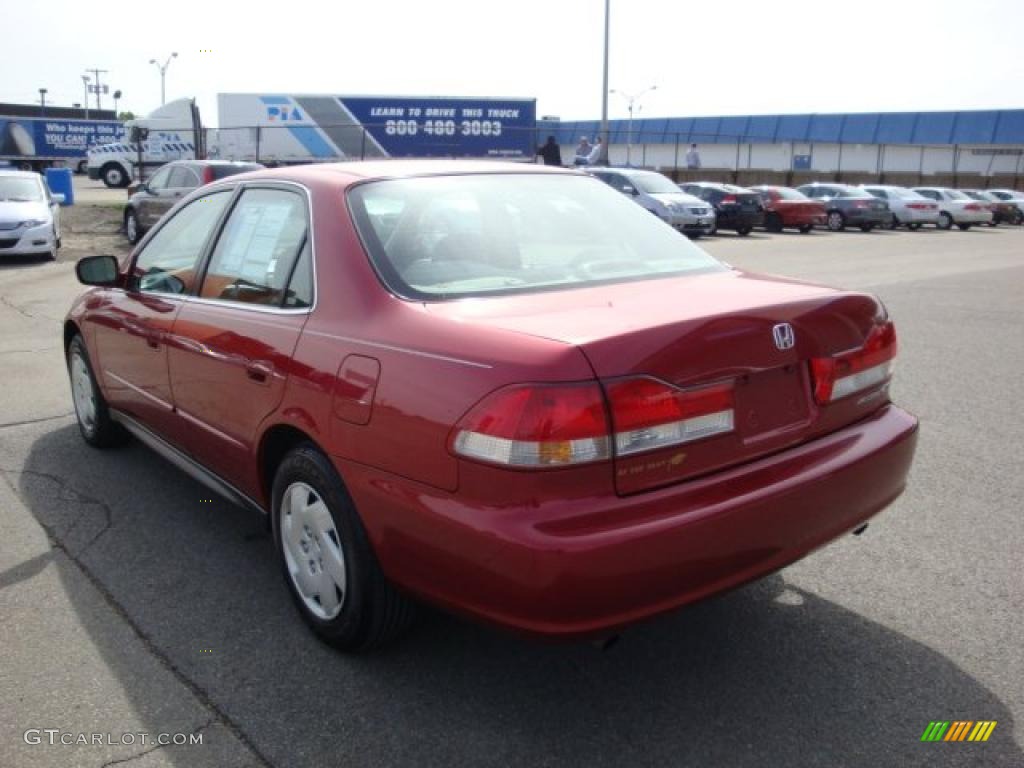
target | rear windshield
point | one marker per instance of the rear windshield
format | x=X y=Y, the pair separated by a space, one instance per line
x=223 y=171
x=790 y=194
x=955 y=194
x=854 y=192
x=448 y=237
x=653 y=183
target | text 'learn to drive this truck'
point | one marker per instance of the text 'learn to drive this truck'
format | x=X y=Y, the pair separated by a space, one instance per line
x=289 y=129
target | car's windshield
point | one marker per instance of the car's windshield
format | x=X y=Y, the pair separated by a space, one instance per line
x=475 y=235
x=653 y=183
x=14 y=189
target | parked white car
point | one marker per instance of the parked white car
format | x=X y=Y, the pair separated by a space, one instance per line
x=909 y=208
x=956 y=208
x=29 y=215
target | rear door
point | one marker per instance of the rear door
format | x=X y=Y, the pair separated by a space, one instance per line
x=232 y=345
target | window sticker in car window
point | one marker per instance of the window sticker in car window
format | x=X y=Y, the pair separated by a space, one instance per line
x=253 y=236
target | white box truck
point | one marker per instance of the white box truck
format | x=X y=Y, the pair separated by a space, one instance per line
x=305 y=128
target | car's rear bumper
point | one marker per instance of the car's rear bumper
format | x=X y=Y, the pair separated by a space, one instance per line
x=587 y=567
x=801 y=219
x=856 y=217
x=914 y=216
x=740 y=220
x=971 y=217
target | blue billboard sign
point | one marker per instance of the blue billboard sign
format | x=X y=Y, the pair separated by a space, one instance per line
x=42 y=137
x=443 y=127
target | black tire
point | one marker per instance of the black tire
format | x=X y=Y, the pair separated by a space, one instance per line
x=743 y=231
x=914 y=227
x=773 y=222
x=992 y=223
x=98 y=429
x=894 y=222
x=1018 y=218
x=965 y=227
x=132 y=229
x=372 y=612
x=836 y=222
x=113 y=176
x=805 y=228
x=82 y=168
x=945 y=221
x=866 y=227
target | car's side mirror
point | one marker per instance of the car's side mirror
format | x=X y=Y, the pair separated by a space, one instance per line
x=98 y=270
x=57 y=198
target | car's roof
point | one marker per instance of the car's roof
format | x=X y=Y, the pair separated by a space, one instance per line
x=621 y=169
x=20 y=174
x=881 y=186
x=719 y=185
x=348 y=172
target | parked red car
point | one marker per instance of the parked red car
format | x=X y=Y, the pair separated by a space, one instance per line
x=506 y=390
x=786 y=207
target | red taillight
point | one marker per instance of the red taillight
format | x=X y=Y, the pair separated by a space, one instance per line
x=727 y=200
x=536 y=425
x=843 y=375
x=648 y=414
x=862 y=204
x=207 y=174
x=972 y=207
x=921 y=206
x=559 y=425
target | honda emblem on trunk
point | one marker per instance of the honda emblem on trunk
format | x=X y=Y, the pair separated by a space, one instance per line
x=784 y=336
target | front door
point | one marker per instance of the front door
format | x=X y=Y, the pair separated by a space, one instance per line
x=132 y=324
x=232 y=346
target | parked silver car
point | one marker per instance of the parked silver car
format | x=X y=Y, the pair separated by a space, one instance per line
x=29 y=215
x=909 y=208
x=956 y=208
x=689 y=214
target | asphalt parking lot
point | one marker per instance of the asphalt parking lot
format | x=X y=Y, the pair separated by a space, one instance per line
x=131 y=602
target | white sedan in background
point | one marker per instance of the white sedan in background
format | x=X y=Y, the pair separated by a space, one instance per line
x=29 y=215
x=956 y=208
x=908 y=208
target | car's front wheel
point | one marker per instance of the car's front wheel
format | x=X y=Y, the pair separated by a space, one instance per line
x=805 y=228
x=91 y=411
x=866 y=227
x=836 y=221
x=965 y=227
x=132 y=230
x=328 y=563
x=945 y=221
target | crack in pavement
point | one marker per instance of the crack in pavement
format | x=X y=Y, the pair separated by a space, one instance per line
x=163 y=658
x=37 y=421
x=154 y=748
x=24 y=313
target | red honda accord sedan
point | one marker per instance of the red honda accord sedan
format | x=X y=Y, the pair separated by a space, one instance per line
x=503 y=389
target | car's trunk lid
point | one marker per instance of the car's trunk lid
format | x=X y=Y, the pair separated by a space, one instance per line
x=697 y=330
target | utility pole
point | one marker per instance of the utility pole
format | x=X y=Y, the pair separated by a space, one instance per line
x=632 y=99
x=99 y=88
x=85 y=101
x=42 y=102
x=603 y=160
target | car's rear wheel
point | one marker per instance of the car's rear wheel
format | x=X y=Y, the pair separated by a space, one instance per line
x=328 y=563
x=91 y=410
x=805 y=228
x=945 y=221
x=965 y=227
x=773 y=222
x=132 y=230
x=914 y=227
x=743 y=231
x=836 y=221
x=866 y=227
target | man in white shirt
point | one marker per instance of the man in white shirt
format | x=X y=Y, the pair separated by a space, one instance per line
x=693 y=158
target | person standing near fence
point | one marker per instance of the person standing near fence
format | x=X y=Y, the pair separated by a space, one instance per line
x=693 y=158
x=594 y=158
x=550 y=152
x=582 y=152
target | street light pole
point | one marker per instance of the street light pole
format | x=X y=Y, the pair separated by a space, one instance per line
x=603 y=160
x=85 y=88
x=631 y=100
x=163 y=74
x=42 y=102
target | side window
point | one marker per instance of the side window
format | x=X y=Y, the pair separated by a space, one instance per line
x=931 y=194
x=168 y=262
x=183 y=178
x=253 y=259
x=159 y=179
x=300 y=287
x=878 y=193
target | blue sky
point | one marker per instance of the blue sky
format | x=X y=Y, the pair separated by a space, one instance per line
x=706 y=58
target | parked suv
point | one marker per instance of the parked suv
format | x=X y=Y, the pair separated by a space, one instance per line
x=151 y=199
x=849 y=206
x=661 y=197
x=736 y=208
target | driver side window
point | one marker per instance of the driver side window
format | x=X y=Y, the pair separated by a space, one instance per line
x=168 y=262
x=159 y=179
